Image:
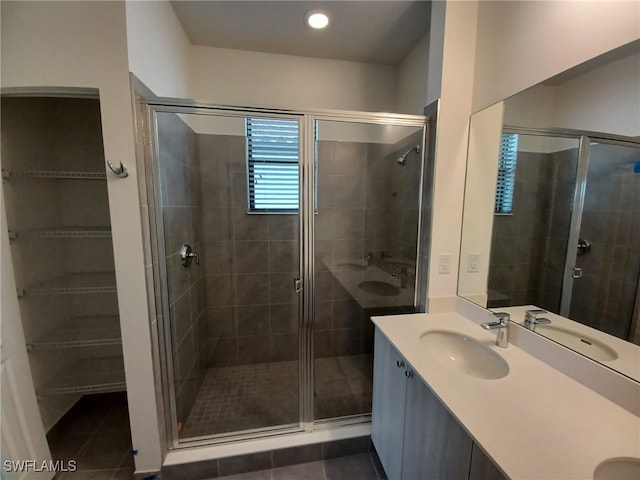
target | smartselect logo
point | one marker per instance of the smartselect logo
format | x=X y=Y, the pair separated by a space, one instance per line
x=22 y=466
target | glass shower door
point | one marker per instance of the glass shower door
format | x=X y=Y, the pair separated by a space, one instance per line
x=606 y=269
x=227 y=208
x=366 y=219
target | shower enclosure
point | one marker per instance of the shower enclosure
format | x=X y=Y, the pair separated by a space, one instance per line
x=576 y=228
x=277 y=236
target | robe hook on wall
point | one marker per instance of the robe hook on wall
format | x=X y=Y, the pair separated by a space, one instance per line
x=121 y=171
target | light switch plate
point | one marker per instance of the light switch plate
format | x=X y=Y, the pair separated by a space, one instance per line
x=473 y=263
x=444 y=265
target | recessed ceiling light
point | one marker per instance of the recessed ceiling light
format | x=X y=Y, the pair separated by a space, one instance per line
x=317 y=19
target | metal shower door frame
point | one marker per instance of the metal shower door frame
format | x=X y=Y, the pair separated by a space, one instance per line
x=577 y=213
x=169 y=393
x=308 y=321
x=585 y=138
x=307 y=150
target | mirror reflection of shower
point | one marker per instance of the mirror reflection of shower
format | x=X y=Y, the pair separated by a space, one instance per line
x=402 y=160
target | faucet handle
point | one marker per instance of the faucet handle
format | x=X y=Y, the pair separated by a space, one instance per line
x=502 y=327
x=503 y=321
x=530 y=316
x=503 y=317
x=531 y=319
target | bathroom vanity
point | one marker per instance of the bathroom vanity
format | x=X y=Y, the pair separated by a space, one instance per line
x=414 y=434
x=465 y=416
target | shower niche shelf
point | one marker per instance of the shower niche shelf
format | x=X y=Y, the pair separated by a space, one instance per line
x=81 y=332
x=90 y=375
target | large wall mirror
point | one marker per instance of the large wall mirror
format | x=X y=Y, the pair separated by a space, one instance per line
x=552 y=209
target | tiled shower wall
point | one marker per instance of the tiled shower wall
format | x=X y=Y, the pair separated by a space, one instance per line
x=518 y=242
x=529 y=247
x=407 y=182
x=251 y=263
x=367 y=204
x=340 y=325
x=181 y=197
x=252 y=259
x=604 y=297
x=393 y=194
x=562 y=179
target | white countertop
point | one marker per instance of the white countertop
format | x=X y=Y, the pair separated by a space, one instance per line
x=628 y=361
x=536 y=423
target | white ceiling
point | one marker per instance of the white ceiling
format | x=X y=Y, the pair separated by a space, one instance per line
x=362 y=31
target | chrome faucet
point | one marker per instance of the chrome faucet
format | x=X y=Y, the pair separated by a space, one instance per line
x=531 y=319
x=402 y=274
x=502 y=325
x=369 y=258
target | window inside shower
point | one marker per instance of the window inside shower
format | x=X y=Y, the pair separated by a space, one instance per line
x=271 y=331
x=272 y=165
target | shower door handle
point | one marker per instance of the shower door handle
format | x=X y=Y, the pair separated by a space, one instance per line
x=297 y=285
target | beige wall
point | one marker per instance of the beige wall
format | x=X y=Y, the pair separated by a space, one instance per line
x=238 y=77
x=412 y=79
x=162 y=57
x=534 y=40
x=451 y=148
x=480 y=193
x=158 y=48
x=604 y=99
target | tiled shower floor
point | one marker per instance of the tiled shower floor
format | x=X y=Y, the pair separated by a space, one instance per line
x=266 y=394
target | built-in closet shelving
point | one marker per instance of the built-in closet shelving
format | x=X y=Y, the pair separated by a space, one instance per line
x=60 y=236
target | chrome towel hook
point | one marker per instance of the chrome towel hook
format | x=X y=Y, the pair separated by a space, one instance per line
x=121 y=171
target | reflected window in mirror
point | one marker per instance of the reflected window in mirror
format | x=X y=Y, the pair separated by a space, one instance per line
x=506 y=172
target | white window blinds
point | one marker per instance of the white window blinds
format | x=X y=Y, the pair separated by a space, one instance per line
x=272 y=156
x=506 y=172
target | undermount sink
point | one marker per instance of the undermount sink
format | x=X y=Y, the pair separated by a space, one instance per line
x=355 y=267
x=583 y=344
x=464 y=353
x=618 y=469
x=379 y=288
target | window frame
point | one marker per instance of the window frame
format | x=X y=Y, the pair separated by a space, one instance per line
x=250 y=163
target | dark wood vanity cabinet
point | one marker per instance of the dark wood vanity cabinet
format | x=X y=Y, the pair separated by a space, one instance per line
x=415 y=436
x=388 y=410
x=482 y=468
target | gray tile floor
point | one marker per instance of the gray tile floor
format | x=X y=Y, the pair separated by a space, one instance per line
x=354 y=467
x=96 y=434
x=266 y=394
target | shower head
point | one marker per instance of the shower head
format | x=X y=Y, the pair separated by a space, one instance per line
x=402 y=160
